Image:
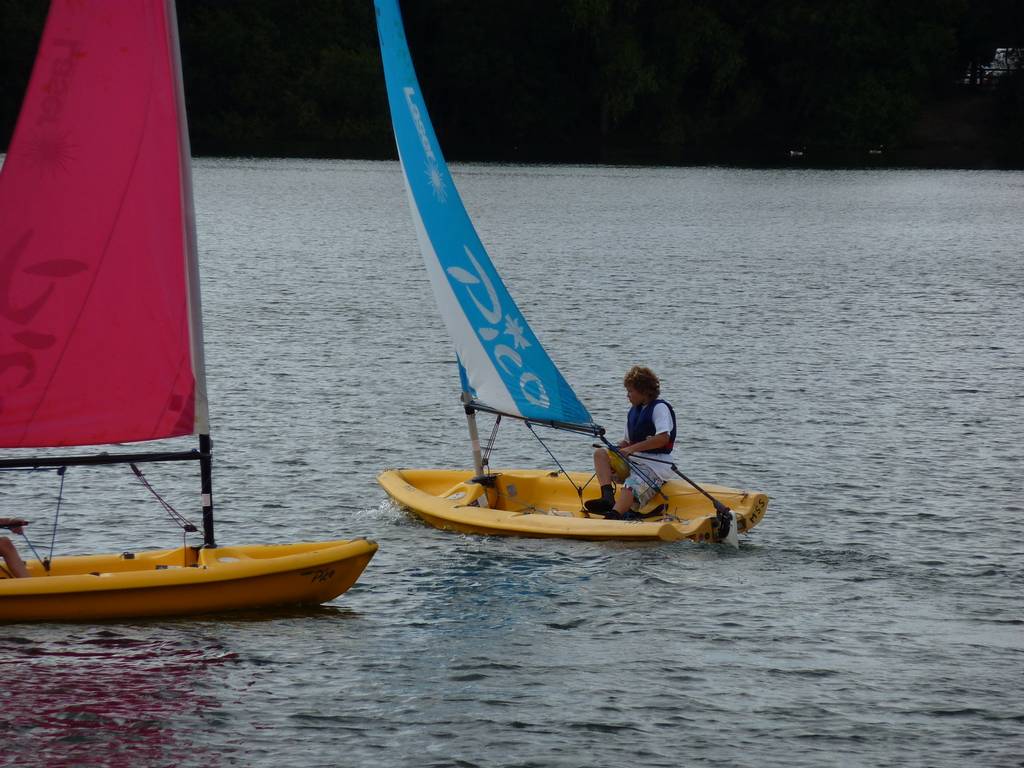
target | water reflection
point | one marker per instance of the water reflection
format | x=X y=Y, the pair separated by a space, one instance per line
x=105 y=697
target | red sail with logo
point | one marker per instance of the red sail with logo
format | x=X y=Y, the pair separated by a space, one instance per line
x=100 y=337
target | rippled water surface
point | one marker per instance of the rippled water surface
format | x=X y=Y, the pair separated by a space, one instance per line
x=851 y=343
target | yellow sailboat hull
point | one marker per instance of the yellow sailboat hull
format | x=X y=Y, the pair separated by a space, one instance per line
x=185 y=581
x=525 y=502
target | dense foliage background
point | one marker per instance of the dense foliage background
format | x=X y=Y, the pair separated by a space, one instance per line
x=676 y=81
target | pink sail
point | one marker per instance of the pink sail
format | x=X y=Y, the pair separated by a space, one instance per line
x=100 y=339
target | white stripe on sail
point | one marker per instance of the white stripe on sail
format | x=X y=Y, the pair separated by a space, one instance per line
x=201 y=424
x=482 y=375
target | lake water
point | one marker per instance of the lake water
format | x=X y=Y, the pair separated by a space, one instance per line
x=850 y=342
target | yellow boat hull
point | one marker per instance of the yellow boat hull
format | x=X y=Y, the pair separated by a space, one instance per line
x=526 y=502
x=184 y=581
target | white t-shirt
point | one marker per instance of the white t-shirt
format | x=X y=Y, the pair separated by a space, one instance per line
x=662 y=423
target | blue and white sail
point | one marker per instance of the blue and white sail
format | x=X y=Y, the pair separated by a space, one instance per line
x=503 y=365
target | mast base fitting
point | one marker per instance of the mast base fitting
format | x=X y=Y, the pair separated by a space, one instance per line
x=487 y=481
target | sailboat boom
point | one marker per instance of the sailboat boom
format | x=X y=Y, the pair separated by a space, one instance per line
x=34 y=462
x=595 y=430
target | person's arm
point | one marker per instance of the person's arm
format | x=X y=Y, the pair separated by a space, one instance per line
x=660 y=440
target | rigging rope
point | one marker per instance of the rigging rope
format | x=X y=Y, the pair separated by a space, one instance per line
x=44 y=561
x=579 y=490
x=720 y=508
x=61 y=471
x=179 y=519
x=56 y=519
x=645 y=473
x=186 y=525
x=489 y=446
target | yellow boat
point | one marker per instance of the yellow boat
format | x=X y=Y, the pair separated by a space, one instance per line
x=184 y=581
x=506 y=372
x=525 y=502
x=101 y=323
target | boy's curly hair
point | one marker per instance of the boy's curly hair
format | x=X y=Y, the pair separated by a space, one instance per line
x=643 y=380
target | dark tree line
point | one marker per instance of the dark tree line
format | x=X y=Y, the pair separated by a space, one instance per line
x=742 y=81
